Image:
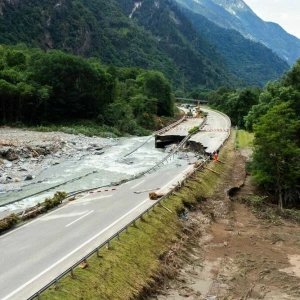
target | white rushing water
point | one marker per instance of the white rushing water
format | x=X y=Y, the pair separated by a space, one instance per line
x=101 y=169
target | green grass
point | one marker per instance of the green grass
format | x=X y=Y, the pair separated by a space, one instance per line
x=245 y=139
x=102 y=131
x=133 y=265
x=89 y=128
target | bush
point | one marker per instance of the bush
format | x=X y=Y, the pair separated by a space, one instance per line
x=8 y=222
x=55 y=201
x=194 y=130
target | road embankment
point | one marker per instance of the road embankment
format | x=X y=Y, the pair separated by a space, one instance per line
x=151 y=251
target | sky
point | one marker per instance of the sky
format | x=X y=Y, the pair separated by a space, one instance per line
x=286 y=13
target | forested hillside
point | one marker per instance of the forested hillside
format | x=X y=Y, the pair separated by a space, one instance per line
x=276 y=124
x=198 y=60
x=101 y=29
x=237 y=15
x=273 y=114
x=251 y=61
x=43 y=88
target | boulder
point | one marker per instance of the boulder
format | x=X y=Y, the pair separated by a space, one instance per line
x=43 y=150
x=8 y=179
x=98 y=152
x=28 y=177
x=11 y=155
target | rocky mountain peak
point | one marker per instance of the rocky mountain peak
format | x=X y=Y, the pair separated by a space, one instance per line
x=237 y=15
x=232 y=4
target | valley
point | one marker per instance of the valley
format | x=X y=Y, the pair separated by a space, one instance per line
x=111 y=190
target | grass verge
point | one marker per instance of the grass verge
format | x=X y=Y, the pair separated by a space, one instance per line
x=135 y=264
x=244 y=139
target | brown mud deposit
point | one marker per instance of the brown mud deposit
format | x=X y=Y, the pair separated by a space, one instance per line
x=233 y=254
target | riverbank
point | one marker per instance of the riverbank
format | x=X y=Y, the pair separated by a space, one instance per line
x=205 y=246
x=236 y=252
x=75 y=162
x=25 y=154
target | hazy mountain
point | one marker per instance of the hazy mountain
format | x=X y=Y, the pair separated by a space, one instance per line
x=249 y=60
x=236 y=14
x=195 y=56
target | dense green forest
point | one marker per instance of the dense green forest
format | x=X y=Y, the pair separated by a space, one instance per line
x=198 y=60
x=41 y=88
x=273 y=114
x=124 y=68
x=102 y=29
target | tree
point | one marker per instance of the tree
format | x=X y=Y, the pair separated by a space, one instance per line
x=156 y=86
x=15 y=58
x=276 y=158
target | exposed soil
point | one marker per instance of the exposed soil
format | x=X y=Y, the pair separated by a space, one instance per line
x=235 y=255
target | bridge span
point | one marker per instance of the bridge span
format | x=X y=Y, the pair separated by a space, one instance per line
x=182 y=100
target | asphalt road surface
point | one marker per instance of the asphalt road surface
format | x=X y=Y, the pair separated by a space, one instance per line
x=34 y=254
x=215 y=131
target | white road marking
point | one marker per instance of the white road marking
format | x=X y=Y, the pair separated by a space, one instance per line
x=137 y=184
x=29 y=223
x=79 y=218
x=91 y=199
x=82 y=245
x=72 y=252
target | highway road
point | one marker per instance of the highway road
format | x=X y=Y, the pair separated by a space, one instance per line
x=183 y=128
x=214 y=132
x=34 y=254
x=37 y=252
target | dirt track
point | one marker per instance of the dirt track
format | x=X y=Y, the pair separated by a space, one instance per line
x=235 y=255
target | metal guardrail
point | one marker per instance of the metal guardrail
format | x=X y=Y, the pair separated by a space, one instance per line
x=79 y=177
x=173 y=151
x=170 y=126
x=116 y=235
x=48 y=189
x=125 y=228
x=156 y=133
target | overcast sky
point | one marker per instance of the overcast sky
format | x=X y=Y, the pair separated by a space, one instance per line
x=284 y=12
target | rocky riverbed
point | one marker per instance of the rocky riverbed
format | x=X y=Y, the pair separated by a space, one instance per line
x=25 y=154
x=33 y=165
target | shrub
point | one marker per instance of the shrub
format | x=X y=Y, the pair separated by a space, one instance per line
x=8 y=222
x=55 y=201
x=194 y=130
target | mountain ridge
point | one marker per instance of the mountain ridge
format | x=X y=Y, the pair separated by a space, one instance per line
x=247 y=59
x=102 y=29
x=149 y=34
x=236 y=14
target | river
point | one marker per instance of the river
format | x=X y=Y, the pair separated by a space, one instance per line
x=93 y=170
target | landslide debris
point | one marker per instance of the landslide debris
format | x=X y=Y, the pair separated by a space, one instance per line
x=231 y=253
